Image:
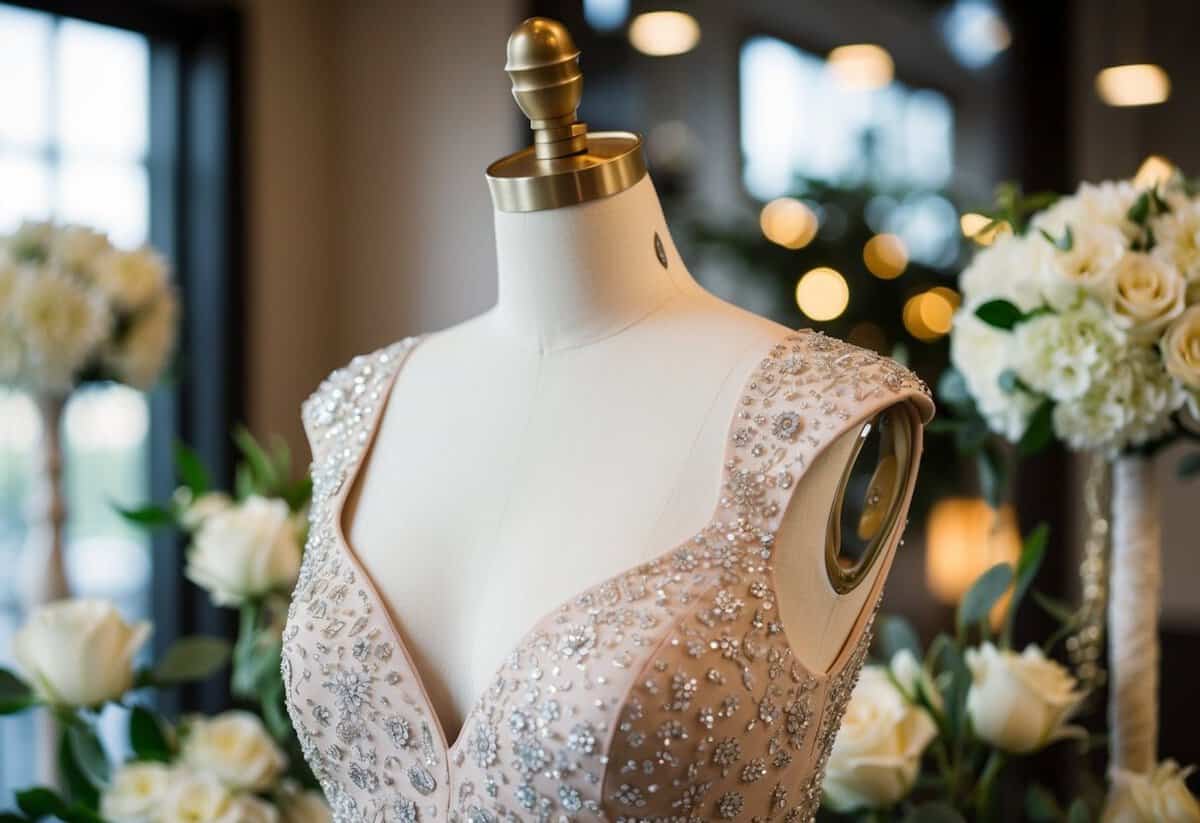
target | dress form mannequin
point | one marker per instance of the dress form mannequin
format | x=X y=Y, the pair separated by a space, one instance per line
x=570 y=432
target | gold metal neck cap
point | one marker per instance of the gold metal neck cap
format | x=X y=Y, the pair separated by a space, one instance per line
x=565 y=165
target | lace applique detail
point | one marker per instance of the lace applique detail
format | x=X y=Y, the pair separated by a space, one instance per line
x=668 y=692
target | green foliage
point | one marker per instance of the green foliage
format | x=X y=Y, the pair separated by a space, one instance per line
x=188 y=659
x=1014 y=207
x=1064 y=243
x=1040 y=430
x=1033 y=552
x=15 y=694
x=191 y=470
x=148 y=735
x=977 y=603
x=934 y=813
x=896 y=634
x=1000 y=314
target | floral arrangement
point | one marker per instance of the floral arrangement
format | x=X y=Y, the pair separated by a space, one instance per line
x=927 y=737
x=73 y=308
x=1081 y=321
x=75 y=657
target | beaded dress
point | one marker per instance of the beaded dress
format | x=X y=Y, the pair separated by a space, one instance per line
x=668 y=692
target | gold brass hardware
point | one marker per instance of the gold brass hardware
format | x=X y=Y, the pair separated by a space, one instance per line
x=885 y=495
x=566 y=165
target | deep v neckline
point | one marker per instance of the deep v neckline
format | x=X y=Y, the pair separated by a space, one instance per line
x=350 y=483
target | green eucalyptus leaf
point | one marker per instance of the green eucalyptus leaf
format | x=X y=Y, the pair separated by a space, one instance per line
x=1064 y=243
x=952 y=391
x=191 y=658
x=262 y=468
x=982 y=596
x=191 y=470
x=148 y=736
x=78 y=787
x=88 y=753
x=1040 y=805
x=993 y=475
x=150 y=515
x=40 y=802
x=1033 y=552
x=1009 y=381
x=15 y=693
x=896 y=634
x=1040 y=430
x=1139 y=212
x=1000 y=313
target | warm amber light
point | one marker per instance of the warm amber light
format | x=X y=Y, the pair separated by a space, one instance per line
x=886 y=256
x=822 y=294
x=788 y=222
x=937 y=312
x=976 y=227
x=1138 y=84
x=964 y=538
x=862 y=66
x=1155 y=170
x=664 y=33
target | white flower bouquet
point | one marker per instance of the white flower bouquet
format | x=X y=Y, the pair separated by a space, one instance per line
x=931 y=736
x=73 y=308
x=75 y=657
x=1082 y=323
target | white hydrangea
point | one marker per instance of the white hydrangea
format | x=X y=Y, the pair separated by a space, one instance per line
x=1177 y=240
x=62 y=322
x=981 y=353
x=1062 y=355
x=1015 y=268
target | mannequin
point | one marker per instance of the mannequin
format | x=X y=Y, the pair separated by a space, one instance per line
x=572 y=431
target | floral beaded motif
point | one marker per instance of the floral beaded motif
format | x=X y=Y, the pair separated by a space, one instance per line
x=668 y=692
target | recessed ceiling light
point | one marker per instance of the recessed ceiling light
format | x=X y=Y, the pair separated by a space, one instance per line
x=664 y=33
x=1137 y=84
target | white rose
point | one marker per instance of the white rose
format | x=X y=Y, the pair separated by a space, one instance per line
x=246 y=808
x=1147 y=294
x=914 y=679
x=1092 y=204
x=1159 y=797
x=235 y=748
x=130 y=278
x=1020 y=703
x=135 y=793
x=877 y=751
x=299 y=806
x=1181 y=348
x=1015 y=268
x=141 y=353
x=78 y=652
x=195 y=798
x=195 y=510
x=63 y=322
x=1062 y=355
x=245 y=551
x=1088 y=264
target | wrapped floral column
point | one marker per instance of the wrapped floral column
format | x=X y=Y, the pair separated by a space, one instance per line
x=1081 y=324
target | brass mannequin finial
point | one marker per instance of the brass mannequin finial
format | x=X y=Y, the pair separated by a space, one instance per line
x=565 y=166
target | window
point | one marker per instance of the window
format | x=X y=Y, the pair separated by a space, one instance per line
x=74 y=138
x=798 y=123
x=126 y=116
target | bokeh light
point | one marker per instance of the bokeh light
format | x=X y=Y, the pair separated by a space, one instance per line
x=822 y=294
x=664 y=33
x=930 y=314
x=1137 y=84
x=1154 y=171
x=788 y=222
x=981 y=228
x=886 y=256
x=861 y=66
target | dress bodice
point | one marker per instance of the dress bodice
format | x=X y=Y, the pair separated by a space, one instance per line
x=668 y=692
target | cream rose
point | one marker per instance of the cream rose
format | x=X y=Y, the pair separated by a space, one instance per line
x=142 y=352
x=195 y=798
x=135 y=793
x=235 y=748
x=1147 y=294
x=914 y=679
x=246 y=808
x=78 y=652
x=195 y=510
x=1020 y=702
x=1181 y=348
x=1159 y=797
x=129 y=278
x=297 y=805
x=245 y=551
x=877 y=751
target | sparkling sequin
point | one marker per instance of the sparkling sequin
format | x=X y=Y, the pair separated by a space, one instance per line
x=668 y=692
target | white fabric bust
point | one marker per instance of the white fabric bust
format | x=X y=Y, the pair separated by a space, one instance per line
x=540 y=447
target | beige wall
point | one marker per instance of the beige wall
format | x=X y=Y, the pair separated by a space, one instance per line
x=370 y=124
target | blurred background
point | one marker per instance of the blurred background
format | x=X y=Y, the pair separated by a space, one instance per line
x=315 y=170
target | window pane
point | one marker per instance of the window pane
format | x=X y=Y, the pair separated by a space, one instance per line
x=25 y=184
x=103 y=80
x=110 y=197
x=24 y=77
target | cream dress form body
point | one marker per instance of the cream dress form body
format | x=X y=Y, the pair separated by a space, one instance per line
x=571 y=432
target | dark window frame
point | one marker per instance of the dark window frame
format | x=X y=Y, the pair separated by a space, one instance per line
x=197 y=219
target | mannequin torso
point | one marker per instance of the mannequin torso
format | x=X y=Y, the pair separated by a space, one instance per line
x=573 y=431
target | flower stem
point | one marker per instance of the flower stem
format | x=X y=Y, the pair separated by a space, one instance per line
x=983 y=789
